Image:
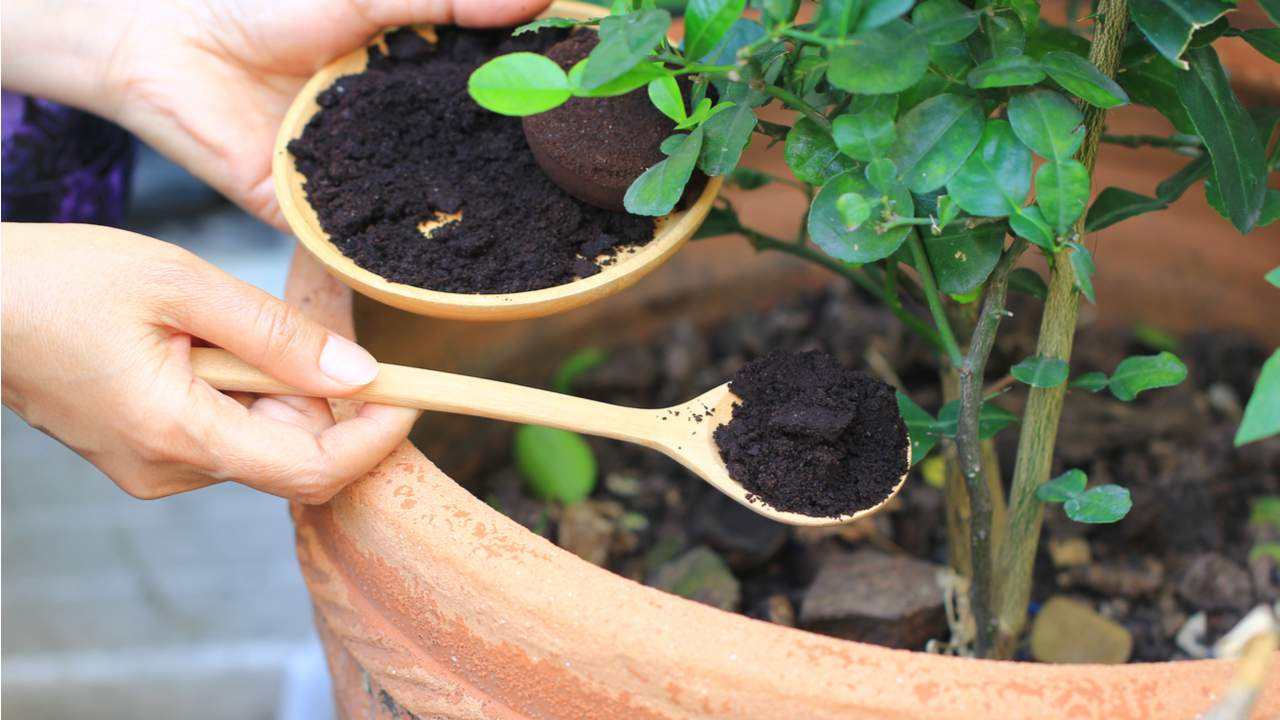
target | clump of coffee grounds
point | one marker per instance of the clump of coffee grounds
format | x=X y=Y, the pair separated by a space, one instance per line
x=813 y=437
x=402 y=144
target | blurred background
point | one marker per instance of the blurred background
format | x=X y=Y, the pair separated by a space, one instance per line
x=116 y=608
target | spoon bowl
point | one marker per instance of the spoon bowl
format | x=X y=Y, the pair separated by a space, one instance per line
x=623 y=270
x=683 y=432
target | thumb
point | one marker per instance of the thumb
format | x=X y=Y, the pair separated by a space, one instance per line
x=269 y=334
x=468 y=13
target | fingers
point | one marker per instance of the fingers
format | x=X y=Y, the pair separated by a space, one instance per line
x=468 y=13
x=290 y=446
x=266 y=332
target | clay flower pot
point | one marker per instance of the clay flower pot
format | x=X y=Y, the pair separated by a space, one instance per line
x=431 y=602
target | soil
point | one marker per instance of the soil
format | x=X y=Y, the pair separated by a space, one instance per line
x=813 y=437
x=1184 y=549
x=402 y=144
x=594 y=148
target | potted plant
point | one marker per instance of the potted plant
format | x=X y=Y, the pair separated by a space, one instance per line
x=916 y=191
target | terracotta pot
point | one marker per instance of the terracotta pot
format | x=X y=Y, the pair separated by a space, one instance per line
x=430 y=602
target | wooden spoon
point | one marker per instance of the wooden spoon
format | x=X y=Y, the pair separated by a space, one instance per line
x=670 y=233
x=683 y=432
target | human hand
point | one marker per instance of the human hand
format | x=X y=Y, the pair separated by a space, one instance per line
x=98 y=325
x=207 y=82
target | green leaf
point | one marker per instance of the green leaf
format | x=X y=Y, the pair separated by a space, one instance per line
x=583 y=361
x=920 y=426
x=883 y=175
x=1266 y=41
x=991 y=420
x=1064 y=487
x=1265 y=511
x=996 y=178
x=1115 y=204
x=944 y=21
x=1047 y=122
x=664 y=93
x=948 y=211
x=1028 y=11
x=1004 y=35
x=829 y=230
x=635 y=78
x=781 y=11
x=551 y=22
x=1271 y=8
x=741 y=33
x=854 y=210
x=556 y=464
x=1028 y=282
x=1137 y=373
x=812 y=155
x=1273 y=277
x=962 y=258
x=1082 y=79
x=1168 y=24
x=519 y=84
x=838 y=17
x=727 y=133
x=935 y=138
x=865 y=136
x=1269 y=549
x=1151 y=80
x=1091 y=381
x=1082 y=264
x=877 y=13
x=1062 y=191
x=721 y=220
x=659 y=188
x=1230 y=137
x=1102 y=504
x=1172 y=187
x=1041 y=372
x=706 y=22
x=887 y=59
x=1028 y=223
x=1262 y=413
x=1005 y=71
x=625 y=41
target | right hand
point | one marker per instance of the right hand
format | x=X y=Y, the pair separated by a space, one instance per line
x=97 y=330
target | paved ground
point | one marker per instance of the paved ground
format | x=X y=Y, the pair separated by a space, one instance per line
x=188 y=607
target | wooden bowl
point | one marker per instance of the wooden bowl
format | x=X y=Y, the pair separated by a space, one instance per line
x=628 y=267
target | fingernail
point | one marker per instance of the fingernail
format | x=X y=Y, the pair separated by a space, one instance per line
x=346 y=362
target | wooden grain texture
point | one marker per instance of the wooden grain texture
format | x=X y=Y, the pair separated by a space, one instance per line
x=671 y=233
x=682 y=432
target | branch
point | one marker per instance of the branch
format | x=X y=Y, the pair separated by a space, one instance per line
x=1174 y=142
x=1044 y=405
x=798 y=104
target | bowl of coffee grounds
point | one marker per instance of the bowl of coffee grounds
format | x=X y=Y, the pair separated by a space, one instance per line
x=412 y=194
x=812 y=437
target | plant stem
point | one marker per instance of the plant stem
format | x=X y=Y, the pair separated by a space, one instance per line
x=1044 y=405
x=934 y=300
x=969 y=446
x=797 y=103
x=762 y=241
x=1177 y=142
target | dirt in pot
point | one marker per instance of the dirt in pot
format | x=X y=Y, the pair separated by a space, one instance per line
x=402 y=145
x=1185 y=557
x=813 y=437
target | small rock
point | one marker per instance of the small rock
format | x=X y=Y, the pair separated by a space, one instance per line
x=586 y=532
x=1131 y=581
x=1190 y=638
x=1069 y=631
x=1212 y=582
x=869 y=596
x=625 y=485
x=1069 y=552
x=746 y=539
x=780 y=611
x=1224 y=401
x=699 y=575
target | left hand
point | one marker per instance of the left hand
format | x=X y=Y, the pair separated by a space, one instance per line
x=207 y=82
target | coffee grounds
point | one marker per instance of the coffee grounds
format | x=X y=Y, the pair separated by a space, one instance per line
x=813 y=437
x=402 y=144
x=595 y=148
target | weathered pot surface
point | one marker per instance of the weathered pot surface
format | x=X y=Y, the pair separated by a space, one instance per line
x=431 y=602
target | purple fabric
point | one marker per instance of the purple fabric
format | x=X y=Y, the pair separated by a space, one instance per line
x=61 y=164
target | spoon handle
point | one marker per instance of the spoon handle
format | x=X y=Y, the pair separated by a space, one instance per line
x=446 y=392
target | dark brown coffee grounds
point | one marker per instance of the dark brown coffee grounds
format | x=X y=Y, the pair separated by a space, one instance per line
x=402 y=143
x=595 y=148
x=813 y=437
